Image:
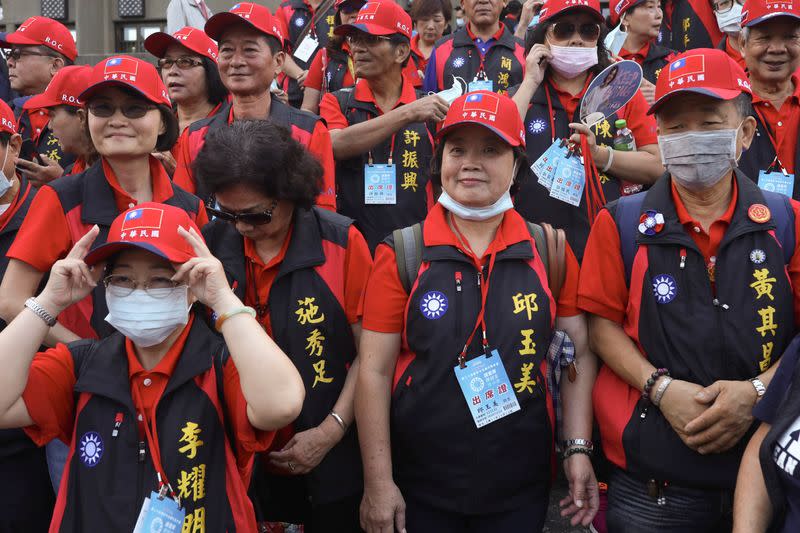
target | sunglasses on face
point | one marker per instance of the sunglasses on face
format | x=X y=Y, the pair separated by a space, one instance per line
x=366 y=39
x=17 y=53
x=132 y=110
x=183 y=63
x=562 y=31
x=251 y=219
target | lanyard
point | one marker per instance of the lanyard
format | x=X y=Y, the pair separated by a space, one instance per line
x=551 y=114
x=772 y=141
x=164 y=487
x=481 y=320
x=391 y=151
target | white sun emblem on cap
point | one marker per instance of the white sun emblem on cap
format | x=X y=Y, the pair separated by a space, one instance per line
x=537 y=126
x=459 y=62
x=664 y=288
x=91 y=448
x=433 y=305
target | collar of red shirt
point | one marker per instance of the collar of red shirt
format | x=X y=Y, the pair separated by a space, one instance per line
x=363 y=93
x=162 y=185
x=794 y=96
x=437 y=231
x=495 y=37
x=167 y=364
x=415 y=46
x=686 y=219
x=638 y=56
x=251 y=253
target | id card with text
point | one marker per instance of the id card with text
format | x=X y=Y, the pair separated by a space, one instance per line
x=380 y=184
x=487 y=389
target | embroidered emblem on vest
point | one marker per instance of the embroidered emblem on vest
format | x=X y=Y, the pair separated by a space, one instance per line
x=537 y=126
x=299 y=22
x=759 y=213
x=664 y=288
x=758 y=256
x=651 y=223
x=91 y=448
x=459 y=62
x=433 y=305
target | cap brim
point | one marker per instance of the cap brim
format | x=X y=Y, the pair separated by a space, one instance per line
x=447 y=129
x=372 y=29
x=719 y=94
x=222 y=21
x=16 y=38
x=88 y=93
x=158 y=43
x=769 y=16
x=40 y=100
x=104 y=251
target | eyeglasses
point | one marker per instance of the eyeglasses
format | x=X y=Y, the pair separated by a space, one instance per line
x=251 y=219
x=725 y=5
x=366 y=39
x=132 y=110
x=564 y=30
x=183 y=63
x=17 y=53
x=123 y=286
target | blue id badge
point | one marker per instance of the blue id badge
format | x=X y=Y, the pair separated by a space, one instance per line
x=569 y=181
x=545 y=166
x=480 y=85
x=160 y=514
x=776 y=182
x=380 y=184
x=487 y=389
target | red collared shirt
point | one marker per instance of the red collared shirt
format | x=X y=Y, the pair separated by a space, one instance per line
x=782 y=123
x=330 y=111
x=638 y=56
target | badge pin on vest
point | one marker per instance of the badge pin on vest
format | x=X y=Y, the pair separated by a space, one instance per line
x=458 y=88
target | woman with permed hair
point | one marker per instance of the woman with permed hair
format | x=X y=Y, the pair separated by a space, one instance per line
x=304 y=270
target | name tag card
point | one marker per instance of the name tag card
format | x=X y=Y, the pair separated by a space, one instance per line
x=380 y=184
x=487 y=389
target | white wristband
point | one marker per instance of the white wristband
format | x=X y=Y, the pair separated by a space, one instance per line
x=610 y=159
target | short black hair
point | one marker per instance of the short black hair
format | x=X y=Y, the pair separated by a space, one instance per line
x=236 y=156
x=536 y=35
x=421 y=9
x=5 y=138
x=520 y=157
x=217 y=92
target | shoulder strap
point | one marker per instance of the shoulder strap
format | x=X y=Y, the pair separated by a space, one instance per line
x=408 y=252
x=626 y=216
x=321 y=9
x=782 y=213
x=551 y=245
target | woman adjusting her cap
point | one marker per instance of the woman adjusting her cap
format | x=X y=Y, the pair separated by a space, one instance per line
x=465 y=330
x=145 y=409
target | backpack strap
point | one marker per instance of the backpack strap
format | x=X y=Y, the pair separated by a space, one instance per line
x=783 y=215
x=408 y=253
x=626 y=217
x=551 y=243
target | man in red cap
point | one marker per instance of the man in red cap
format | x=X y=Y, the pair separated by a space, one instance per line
x=27 y=496
x=250 y=55
x=770 y=42
x=38 y=49
x=378 y=128
x=484 y=52
x=690 y=307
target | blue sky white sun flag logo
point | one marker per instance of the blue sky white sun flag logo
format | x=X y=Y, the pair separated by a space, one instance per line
x=433 y=305
x=664 y=288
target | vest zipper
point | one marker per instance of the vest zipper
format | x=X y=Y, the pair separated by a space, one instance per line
x=140 y=473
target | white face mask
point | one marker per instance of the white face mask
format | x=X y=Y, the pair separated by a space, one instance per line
x=572 y=61
x=466 y=212
x=145 y=319
x=730 y=21
x=5 y=183
x=615 y=40
x=698 y=160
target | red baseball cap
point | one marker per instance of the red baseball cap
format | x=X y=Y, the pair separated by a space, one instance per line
x=128 y=72
x=703 y=71
x=42 y=31
x=616 y=8
x=757 y=11
x=150 y=226
x=254 y=15
x=552 y=8
x=357 y=4
x=64 y=89
x=496 y=112
x=8 y=122
x=195 y=40
x=379 y=17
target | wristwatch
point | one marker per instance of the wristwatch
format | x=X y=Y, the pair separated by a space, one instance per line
x=760 y=388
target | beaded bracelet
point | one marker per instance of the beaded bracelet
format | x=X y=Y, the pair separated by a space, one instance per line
x=652 y=381
x=577 y=450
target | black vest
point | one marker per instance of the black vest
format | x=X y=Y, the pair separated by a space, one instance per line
x=701 y=337
x=300 y=279
x=48 y=144
x=300 y=18
x=657 y=58
x=533 y=200
x=502 y=465
x=105 y=489
x=335 y=71
x=761 y=154
x=411 y=156
x=687 y=30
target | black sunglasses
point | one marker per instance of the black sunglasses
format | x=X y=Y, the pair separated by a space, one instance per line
x=183 y=63
x=17 y=53
x=251 y=219
x=132 y=110
x=589 y=31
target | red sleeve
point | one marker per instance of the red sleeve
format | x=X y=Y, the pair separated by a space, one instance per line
x=329 y=110
x=568 y=298
x=358 y=265
x=602 y=289
x=184 y=177
x=202 y=216
x=43 y=237
x=385 y=299
x=49 y=396
x=642 y=125
x=314 y=78
x=794 y=263
x=320 y=145
x=249 y=439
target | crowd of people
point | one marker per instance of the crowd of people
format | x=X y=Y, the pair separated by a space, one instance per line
x=303 y=269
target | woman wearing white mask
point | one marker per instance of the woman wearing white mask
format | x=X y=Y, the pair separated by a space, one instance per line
x=729 y=18
x=165 y=417
x=454 y=351
x=566 y=51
